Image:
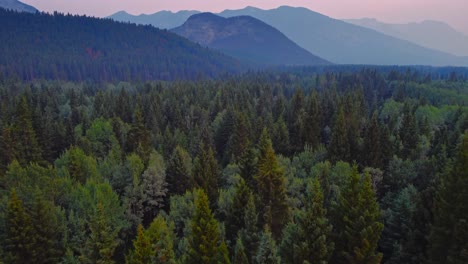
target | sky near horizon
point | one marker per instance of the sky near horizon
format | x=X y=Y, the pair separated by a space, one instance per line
x=453 y=12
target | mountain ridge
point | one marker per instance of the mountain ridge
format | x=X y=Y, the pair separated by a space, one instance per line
x=17 y=6
x=247 y=39
x=428 y=33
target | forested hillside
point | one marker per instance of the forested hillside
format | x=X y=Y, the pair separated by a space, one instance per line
x=363 y=167
x=79 y=48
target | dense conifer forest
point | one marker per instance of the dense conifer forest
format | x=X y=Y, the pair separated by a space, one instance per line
x=364 y=166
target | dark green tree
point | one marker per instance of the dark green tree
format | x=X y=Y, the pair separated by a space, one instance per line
x=206 y=174
x=339 y=148
x=205 y=242
x=178 y=172
x=357 y=223
x=449 y=234
x=267 y=252
x=271 y=187
x=240 y=256
x=310 y=236
x=19 y=240
x=142 y=250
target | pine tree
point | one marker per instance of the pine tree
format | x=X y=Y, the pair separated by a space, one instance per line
x=26 y=146
x=339 y=148
x=179 y=169
x=205 y=243
x=248 y=168
x=102 y=241
x=239 y=253
x=206 y=174
x=372 y=149
x=239 y=142
x=267 y=252
x=313 y=122
x=154 y=186
x=19 y=240
x=357 y=223
x=139 y=137
x=449 y=234
x=311 y=235
x=235 y=216
x=408 y=133
x=271 y=187
x=142 y=250
x=48 y=243
x=249 y=235
x=161 y=236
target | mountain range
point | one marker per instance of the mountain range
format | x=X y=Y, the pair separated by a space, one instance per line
x=70 y=47
x=431 y=34
x=335 y=40
x=162 y=19
x=17 y=6
x=247 y=39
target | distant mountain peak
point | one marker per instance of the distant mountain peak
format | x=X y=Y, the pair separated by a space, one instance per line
x=246 y=38
x=17 y=6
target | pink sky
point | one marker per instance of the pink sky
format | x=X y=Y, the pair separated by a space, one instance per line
x=453 y=12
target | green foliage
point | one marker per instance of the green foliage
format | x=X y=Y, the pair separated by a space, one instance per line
x=142 y=249
x=179 y=169
x=339 y=149
x=449 y=235
x=239 y=253
x=357 y=223
x=271 y=187
x=205 y=242
x=308 y=239
x=161 y=236
x=206 y=173
x=267 y=252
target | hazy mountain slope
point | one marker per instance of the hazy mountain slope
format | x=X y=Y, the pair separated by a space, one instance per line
x=162 y=19
x=17 y=6
x=431 y=34
x=246 y=38
x=80 y=48
x=343 y=42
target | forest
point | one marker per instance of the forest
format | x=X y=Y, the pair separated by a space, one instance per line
x=362 y=166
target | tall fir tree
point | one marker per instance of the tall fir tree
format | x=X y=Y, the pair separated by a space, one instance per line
x=236 y=212
x=142 y=250
x=267 y=252
x=313 y=122
x=449 y=234
x=179 y=170
x=309 y=239
x=271 y=187
x=339 y=148
x=357 y=223
x=205 y=241
x=240 y=256
x=19 y=240
x=206 y=174
x=161 y=236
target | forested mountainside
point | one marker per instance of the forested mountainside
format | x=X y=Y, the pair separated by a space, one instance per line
x=363 y=167
x=78 y=48
x=17 y=6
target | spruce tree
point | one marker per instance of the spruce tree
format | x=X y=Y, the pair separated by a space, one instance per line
x=271 y=187
x=142 y=250
x=19 y=240
x=240 y=256
x=339 y=148
x=372 y=149
x=161 y=236
x=102 y=240
x=205 y=242
x=206 y=174
x=267 y=252
x=236 y=212
x=179 y=170
x=357 y=223
x=249 y=234
x=309 y=238
x=313 y=122
x=449 y=234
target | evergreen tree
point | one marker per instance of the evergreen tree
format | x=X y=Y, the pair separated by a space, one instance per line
x=26 y=146
x=235 y=216
x=313 y=122
x=179 y=168
x=310 y=236
x=102 y=241
x=240 y=139
x=206 y=174
x=154 y=186
x=449 y=234
x=408 y=132
x=161 y=237
x=139 y=137
x=239 y=253
x=142 y=250
x=339 y=148
x=248 y=168
x=249 y=235
x=271 y=187
x=357 y=223
x=267 y=252
x=205 y=242
x=19 y=240
x=372 y=149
